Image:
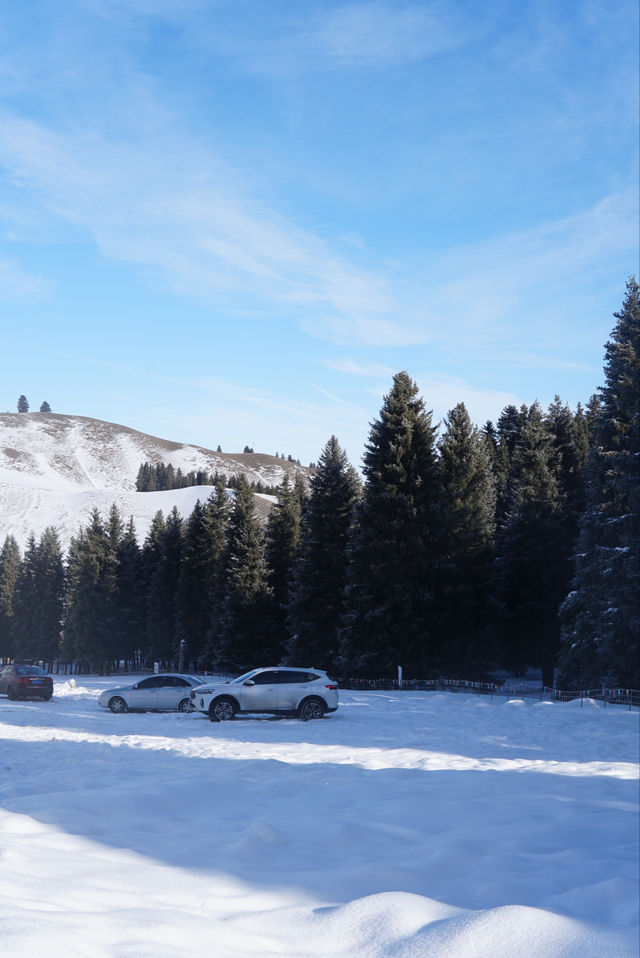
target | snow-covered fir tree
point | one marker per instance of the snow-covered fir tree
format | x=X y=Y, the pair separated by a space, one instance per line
x=601 y=614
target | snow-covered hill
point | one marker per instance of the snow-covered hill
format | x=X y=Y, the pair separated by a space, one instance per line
x=54 y=469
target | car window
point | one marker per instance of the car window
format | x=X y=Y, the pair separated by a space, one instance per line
x=29 y=670
x=153 y=683
x=166 y=681
x=265 y=678
x=181 y=682
x=292 y=678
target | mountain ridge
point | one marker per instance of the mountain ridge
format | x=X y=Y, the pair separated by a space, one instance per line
x=55 y=468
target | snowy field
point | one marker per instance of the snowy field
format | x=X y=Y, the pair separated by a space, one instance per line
x=407 y=824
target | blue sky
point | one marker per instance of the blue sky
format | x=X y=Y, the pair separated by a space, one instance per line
x=231 y=221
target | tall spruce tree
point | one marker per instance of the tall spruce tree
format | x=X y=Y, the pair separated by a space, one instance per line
x=91 y=587
x=282 y=536
x=469 y=500
x=9 y=569
x=601 y=615
x=198 y=595
x=162 y=594
x=316 y=601
x=38 y=599
x=47 y=608
x=531 y=560
x=24 y=599
x=506 y=440
x=396 y=543
x=216 y=520
x=245 y=632
x=570 y=445
x=128 y=601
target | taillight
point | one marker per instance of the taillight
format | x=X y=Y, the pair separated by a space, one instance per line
x=23 y=680
x=332 y=687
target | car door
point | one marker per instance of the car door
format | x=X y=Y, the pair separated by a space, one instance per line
x=168 y=692
x=145 y=693
x=262 y=694
x=290 y=689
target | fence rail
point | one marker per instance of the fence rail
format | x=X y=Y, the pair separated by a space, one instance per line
x=628 y=697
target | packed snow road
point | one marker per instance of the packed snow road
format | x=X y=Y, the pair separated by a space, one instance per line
x=406 y=824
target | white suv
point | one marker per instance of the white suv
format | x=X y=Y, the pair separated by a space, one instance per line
x=308 y=693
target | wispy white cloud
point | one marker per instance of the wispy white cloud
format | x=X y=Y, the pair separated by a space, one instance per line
x=513 y=293
x=18 y=284
x=370 y=34
x=442 y=393
x=175 y=212
x=365 y=34
x=355 y=368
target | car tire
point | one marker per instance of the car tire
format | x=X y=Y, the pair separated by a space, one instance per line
x=47 y=698
x=184 y=705
x=222 y=709
x=11 y=693
x=311 y=709
x=118 y=704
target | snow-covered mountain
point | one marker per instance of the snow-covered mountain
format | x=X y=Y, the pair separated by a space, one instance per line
x=55 y=469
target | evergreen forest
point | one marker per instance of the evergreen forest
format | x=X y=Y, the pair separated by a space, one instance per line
x=162 y=476
x=462 y=550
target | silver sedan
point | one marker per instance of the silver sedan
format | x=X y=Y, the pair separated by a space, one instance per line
x=168 y=692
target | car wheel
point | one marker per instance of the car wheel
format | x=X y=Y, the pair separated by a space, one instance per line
x=222 y=710
x=311 y=709
x=184 y=705
x=117 y=704
x=47 y=697
x=11 y=693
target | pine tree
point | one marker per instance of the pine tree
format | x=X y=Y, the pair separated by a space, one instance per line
x=509 y=436
x=24 y=599
x=198 y=595
x=316 y=602
x=9 y=569
x=570 y=445
x=45 y=407
x=601 y=615
x=396 y=543
x=216 y=521
x=38 y=601
x=88 y=636
x=245 y=630
x=164 y=546
x=23 y=405
x=469 y=499
x=531 y=561
x=283 y=533
x=129 y=606
x=51 y=580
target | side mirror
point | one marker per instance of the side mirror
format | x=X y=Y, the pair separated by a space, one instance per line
x=135 y=686
x=249 y=682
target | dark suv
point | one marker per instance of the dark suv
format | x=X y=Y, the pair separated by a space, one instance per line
x=25 y=681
